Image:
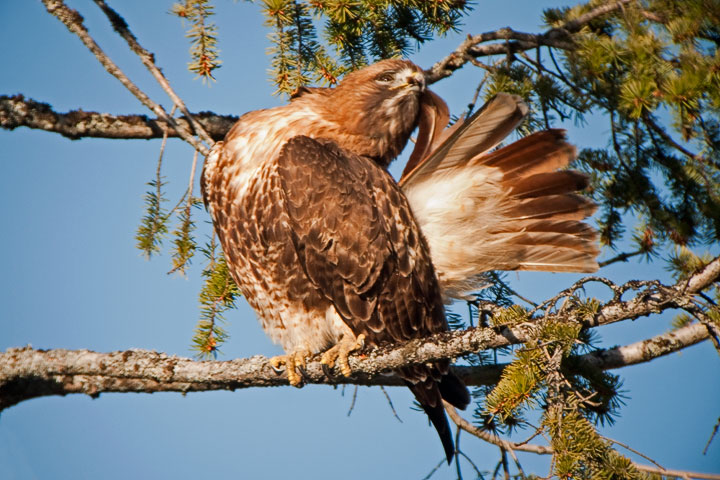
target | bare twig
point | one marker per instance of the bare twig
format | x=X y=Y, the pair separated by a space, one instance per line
x=181 y=261
x=435 y=469
x=676 y=473
x=492 y=438
x=475 y=467
x=458 y=469
x=74 y=22
x=505 y=466
x=392 y=407
x=623 y=257
x=629 y=448
x=668 y=139
x=712 y=436
x=352 y=402
x=148 y=59
x=514 y=41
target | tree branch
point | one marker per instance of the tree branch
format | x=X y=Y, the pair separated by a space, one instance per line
x=676 y=473
x=74 y=22
x=26 y=373
x=17 y=111
x=545 y=450
x=514 y=42
x=148 y=59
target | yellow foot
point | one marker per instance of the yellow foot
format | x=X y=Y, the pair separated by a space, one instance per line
x=340 y=351
x=292 y=361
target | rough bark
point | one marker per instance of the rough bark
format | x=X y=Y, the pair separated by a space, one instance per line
x=18 y=111
x=27 y=373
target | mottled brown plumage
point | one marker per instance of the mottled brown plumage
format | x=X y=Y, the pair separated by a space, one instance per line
x=318 y=236
x=328 y=249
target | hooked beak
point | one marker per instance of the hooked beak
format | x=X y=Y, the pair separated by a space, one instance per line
x=414 y=81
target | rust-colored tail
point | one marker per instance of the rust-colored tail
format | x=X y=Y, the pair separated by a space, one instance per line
x=507 y=209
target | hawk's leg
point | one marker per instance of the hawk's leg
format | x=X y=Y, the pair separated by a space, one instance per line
x=293 y=362
x=340 y=351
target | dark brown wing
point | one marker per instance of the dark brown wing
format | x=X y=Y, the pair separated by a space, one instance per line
x=359 y=244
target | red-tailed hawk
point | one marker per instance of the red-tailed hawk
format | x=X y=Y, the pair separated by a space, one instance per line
x=332 y=254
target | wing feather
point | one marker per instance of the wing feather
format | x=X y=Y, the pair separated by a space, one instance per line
x=348 y=217
x=481 y=132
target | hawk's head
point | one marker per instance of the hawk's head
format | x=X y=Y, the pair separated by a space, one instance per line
x=380 y=102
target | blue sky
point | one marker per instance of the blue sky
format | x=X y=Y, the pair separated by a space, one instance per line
x=72 y=278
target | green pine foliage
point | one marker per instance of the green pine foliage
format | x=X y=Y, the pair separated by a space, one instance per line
x=218 y=295
x=153 y=226
x=520 y=386
x=658 y=57
x=203 y=37
x=355 y=33
x=683 y=262
x=183 y=242
x=580 y=452
x=512 y=315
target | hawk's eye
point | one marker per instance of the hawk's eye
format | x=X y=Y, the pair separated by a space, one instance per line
x=386 y=77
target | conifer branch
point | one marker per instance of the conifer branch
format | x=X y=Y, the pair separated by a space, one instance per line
x=154 y=224
x=219 y=294
x=74 y=22
x=184 y=242
x=18 y=111
x=203 y=48
x=514 y=42
x=546 y=450
x=148 y=59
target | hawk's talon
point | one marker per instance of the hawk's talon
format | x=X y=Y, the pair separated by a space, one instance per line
x=303 y=373
x=293 y=362
x=277 y=362
x=328 y=374
x=340 y=351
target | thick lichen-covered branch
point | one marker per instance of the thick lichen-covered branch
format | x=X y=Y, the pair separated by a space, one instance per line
x=26 y=373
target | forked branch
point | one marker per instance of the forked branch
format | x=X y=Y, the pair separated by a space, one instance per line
x=74 y=22
x=477 y=46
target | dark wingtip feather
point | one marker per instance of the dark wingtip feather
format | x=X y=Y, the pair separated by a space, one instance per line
x=454 y=391
x=436 y=414
x=430 y=394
